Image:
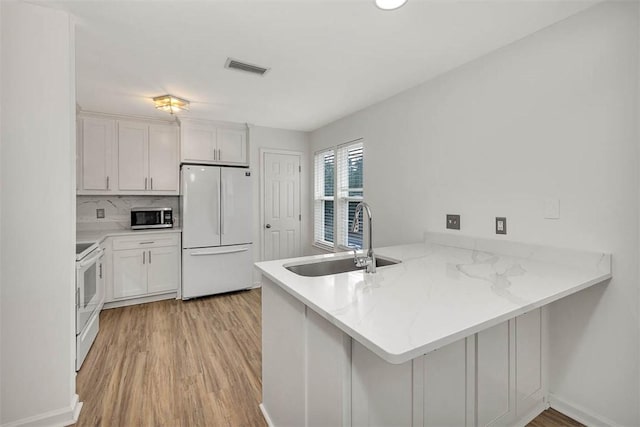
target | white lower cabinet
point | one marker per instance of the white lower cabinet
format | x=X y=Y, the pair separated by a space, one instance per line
x=145 y=265
x=163 y=273
x=316 y=375
x=130 y=273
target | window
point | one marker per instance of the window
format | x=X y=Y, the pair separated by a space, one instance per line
x=338 y=190
x=324 y=190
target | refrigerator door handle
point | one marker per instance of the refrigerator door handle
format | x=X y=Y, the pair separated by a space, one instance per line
x=219 y=208
x=229 y=251
x=222 y=196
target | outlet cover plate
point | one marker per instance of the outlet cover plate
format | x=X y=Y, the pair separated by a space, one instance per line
x=552 y=209
x=501 y=225
x=453 y=222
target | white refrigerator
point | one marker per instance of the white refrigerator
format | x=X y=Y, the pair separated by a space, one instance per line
x=216 y=230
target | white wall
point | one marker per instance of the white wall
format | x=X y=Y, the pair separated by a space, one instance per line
x=37 y=214
x=553 y=115
x=278 y=139
x=0 y=212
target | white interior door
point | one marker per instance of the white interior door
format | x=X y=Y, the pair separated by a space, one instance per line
x=281 y=205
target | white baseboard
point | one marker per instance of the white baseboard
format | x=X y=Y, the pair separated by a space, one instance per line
x=579 y=413
x=59 y=417
x=140 y=300
x=266 y=415
x=531 y=415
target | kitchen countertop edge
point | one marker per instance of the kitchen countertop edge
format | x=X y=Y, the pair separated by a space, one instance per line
x=266 y=268
x=98 y=236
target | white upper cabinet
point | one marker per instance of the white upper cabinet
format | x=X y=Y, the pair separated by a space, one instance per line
x=199 y=143
x=164 y=164
x=133 y=156
x=232 y=146
x=97 y=151
x=213 y=143
x=120 y=156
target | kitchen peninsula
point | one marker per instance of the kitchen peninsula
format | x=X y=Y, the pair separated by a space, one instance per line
x=454 y=334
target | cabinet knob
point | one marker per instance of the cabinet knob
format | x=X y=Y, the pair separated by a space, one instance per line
x=268 y=226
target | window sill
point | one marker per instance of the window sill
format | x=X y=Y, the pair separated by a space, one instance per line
x=329 y=249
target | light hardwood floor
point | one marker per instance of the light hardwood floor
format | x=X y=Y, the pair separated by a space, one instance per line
x=174 y=363
x=193 y=363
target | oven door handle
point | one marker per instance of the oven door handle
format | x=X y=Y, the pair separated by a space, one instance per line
x=84 y=263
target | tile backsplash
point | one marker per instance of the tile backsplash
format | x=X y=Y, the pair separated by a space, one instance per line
x=117 y=210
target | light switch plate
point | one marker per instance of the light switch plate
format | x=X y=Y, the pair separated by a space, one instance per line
x=453 y=222
x=552 y=209
x=501 y=225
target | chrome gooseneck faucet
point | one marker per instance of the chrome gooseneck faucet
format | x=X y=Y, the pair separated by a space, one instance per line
x=368 y=261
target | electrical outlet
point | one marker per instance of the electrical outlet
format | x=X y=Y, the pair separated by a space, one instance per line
x=99 y=213
x=501 y=225
x=453 y=222
x=552 y=209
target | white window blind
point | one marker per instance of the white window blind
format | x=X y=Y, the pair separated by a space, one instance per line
x=338 y=188
x=324 y=173
x=350 y=192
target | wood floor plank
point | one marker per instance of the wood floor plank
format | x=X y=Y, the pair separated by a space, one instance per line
x=175 y=363
x=186 y=363
x=553 y=418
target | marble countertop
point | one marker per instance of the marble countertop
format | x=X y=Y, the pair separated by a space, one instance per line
x=443 y=290
x=97 y=236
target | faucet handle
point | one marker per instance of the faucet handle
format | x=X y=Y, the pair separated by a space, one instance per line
x=361 y=261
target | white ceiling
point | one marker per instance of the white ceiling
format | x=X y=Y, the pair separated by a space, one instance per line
x=327 y=58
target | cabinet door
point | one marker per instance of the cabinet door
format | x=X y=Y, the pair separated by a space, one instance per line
x=97 y=153
x=164 y=269
x=129 y=273
x=163 y=158
x=199 y=143
x=133 y=152
x=232 y=145
x=494 y=376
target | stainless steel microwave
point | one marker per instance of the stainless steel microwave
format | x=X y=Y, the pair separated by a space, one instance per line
x=151 y=218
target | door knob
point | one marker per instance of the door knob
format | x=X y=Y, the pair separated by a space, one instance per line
x=268 y=226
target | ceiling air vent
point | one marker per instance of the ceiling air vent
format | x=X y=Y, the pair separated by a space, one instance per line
x=243 y=66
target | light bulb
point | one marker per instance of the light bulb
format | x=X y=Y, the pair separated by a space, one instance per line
x=390 y=4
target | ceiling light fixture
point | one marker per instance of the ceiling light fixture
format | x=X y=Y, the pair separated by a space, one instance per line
x=390 y=4
x=171 y=104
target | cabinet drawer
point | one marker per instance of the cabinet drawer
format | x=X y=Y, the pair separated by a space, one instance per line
x=146 y=241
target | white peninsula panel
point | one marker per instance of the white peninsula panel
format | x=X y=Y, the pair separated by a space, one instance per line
x=454 y=334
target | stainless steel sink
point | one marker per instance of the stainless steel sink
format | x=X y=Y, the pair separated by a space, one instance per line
x=333 y=266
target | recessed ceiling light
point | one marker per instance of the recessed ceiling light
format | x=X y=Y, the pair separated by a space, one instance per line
x=390 y=4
